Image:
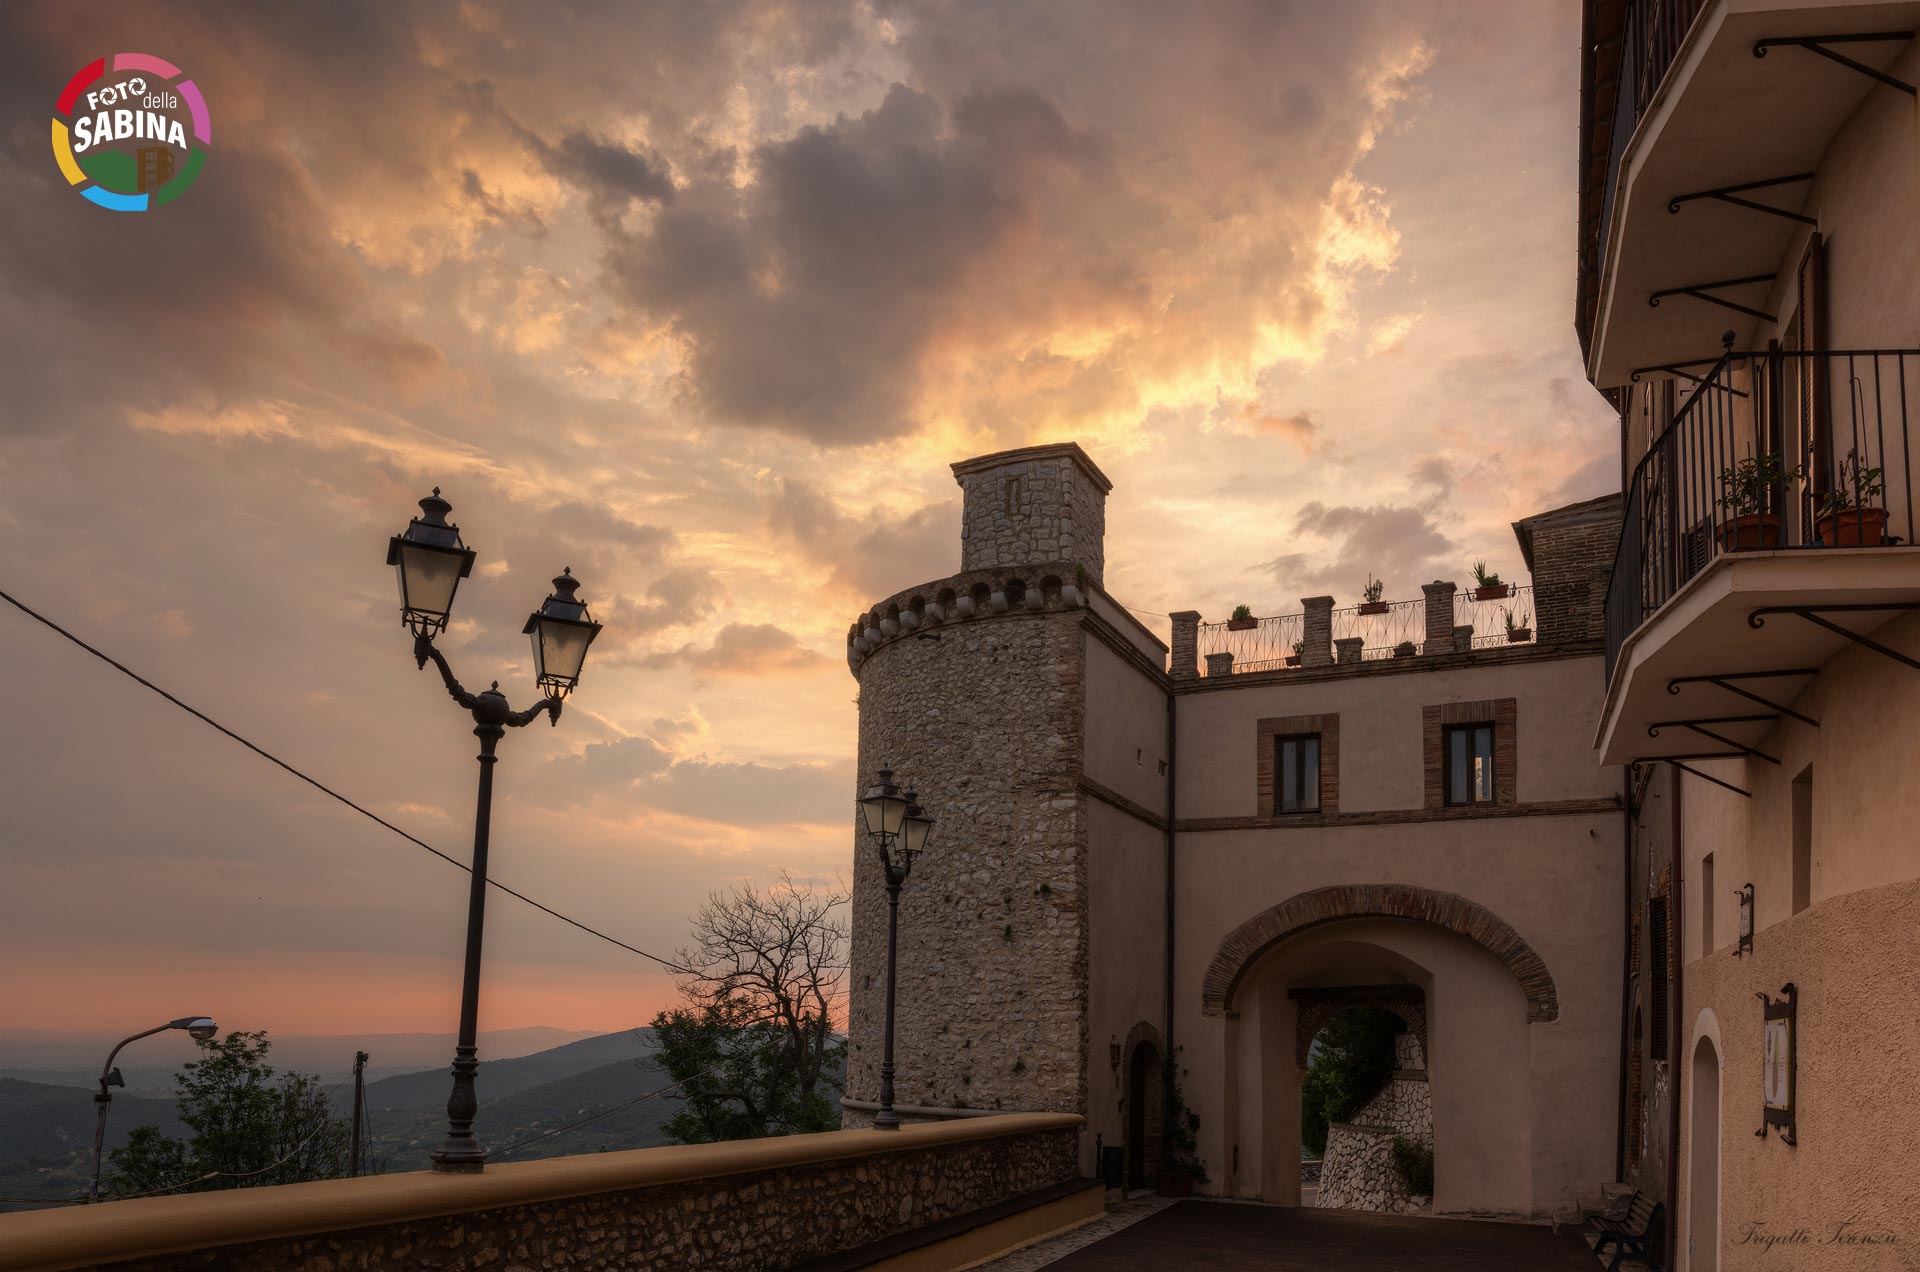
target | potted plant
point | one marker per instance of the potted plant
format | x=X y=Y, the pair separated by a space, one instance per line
x=1242 y=619
x=1293 y=659
x=1370 y=602
x=1520 y=632
x=1848 y=517
x=1745 y=491
x=1487 y=587
x=1403 y=650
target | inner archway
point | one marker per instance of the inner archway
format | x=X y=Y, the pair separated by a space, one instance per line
x=1466 y=1026
x=1366 y=1115
x=1703 y=1178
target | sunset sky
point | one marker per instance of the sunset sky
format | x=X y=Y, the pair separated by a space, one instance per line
x=700 y=300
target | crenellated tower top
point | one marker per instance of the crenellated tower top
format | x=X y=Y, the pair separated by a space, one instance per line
x=1034 y=504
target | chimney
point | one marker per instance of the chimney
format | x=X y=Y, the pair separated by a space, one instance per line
x=1183 y=661
x=1316 y=642
x=1439 y=617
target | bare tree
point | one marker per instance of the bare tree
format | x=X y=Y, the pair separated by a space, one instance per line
x=766 y=982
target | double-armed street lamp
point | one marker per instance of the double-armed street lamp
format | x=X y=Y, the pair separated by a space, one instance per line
x=430 y=560
x=199 y=1028
x=899 y=829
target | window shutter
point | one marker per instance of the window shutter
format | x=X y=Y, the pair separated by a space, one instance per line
x=1658 y=963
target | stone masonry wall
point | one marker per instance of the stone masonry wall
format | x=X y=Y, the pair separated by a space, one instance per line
x=1043 y=503
x=986 y=722
x=1357 y=1170
x=754 y=1222
x=1572 y=555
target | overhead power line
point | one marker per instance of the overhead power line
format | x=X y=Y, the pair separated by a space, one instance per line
x=328 y=791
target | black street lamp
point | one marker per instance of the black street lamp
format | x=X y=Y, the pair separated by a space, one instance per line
x=899 y=829
x=199 y=1028
x=431 y=560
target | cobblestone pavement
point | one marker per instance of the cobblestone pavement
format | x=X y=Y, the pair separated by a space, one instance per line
x=1226 y=1237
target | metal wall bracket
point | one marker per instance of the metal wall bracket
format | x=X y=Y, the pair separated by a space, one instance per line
x=1818 y=43
x=1728 y=194
x=1653 y=731
x=1758 y=618
x=1708 y=777
x=1720 y=682
x=1699 y=291
x=1679 y=369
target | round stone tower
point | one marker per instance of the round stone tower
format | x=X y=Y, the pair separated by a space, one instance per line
x=972 y=691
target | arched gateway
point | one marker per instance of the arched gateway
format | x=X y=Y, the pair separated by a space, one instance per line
x=1245 y=944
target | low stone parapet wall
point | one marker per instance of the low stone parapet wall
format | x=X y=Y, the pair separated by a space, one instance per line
x=745 y=1206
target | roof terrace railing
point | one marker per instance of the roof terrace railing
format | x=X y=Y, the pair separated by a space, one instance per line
x=1273 y=643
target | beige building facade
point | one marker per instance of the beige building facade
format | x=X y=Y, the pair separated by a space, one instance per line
x=1200 y=854
x=1747 y=264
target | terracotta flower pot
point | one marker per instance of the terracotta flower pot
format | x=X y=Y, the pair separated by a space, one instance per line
x=1373 y=607
x=1498 y=592
x=1752 y=530
x=1242 y=624
x=1853 y=528
x=1519 y=635
x=1175 y=1186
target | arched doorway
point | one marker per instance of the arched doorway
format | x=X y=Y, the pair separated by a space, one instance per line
x=1366 y=1115
x=1144 y=1101
x=1703 y=1175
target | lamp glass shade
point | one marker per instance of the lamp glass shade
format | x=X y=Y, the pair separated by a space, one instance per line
x=883 y=806
x=914 y=829
x=560 y=650
x=428 y=576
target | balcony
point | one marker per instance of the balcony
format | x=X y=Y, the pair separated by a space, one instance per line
x=1704 y=130
x=1769 y=524
x=1393 y=629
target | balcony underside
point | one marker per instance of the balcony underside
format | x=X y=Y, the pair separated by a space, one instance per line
x=1707 y=630
x=1725 y=118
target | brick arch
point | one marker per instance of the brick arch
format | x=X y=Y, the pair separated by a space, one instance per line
x=1246 y=943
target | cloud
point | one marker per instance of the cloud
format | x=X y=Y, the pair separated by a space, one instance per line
x=743 y=649
x=1400 y=545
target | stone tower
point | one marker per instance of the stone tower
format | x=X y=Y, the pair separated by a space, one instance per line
x=972 y=690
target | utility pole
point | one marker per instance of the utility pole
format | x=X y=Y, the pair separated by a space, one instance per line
x=359 y=1104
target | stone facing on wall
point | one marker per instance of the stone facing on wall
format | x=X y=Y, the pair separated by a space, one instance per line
x=1040 y=503
x=1357 y=1172
x=753 y=1222
x=987 y=723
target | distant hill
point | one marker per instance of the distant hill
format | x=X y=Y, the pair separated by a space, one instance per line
x=46 y=1129
x=407 y=1139
x=427 y=1090
x=46 y=1136
x=74 y=1058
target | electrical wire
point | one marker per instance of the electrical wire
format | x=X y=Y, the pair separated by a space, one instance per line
x=328 y=791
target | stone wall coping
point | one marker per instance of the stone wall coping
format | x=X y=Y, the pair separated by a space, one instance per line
x=82 y=1236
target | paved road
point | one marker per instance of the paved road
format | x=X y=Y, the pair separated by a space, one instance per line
x=1222 y=1237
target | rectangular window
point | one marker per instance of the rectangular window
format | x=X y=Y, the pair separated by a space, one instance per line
x=1297 y=763
x=1657 y=973
x=1467 y=754
x=1803 y=839
x=1706 y=905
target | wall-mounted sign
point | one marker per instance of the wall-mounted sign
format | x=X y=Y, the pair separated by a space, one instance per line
x=1745 y=944
x=1778 y=1063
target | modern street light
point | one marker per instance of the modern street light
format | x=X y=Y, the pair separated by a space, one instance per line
x=430 y=560
x=899 y=829
x=199 y=1028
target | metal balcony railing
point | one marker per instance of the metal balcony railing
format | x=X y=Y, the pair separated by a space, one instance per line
x=1786 y=449
x=1269 y=644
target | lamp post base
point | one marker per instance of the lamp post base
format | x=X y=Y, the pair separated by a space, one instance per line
x=886 y=1120
x=445 y=1163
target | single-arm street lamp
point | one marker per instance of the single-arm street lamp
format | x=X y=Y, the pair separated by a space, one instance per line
x=430 y=560
x=199 y=1028
x=899 y=829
